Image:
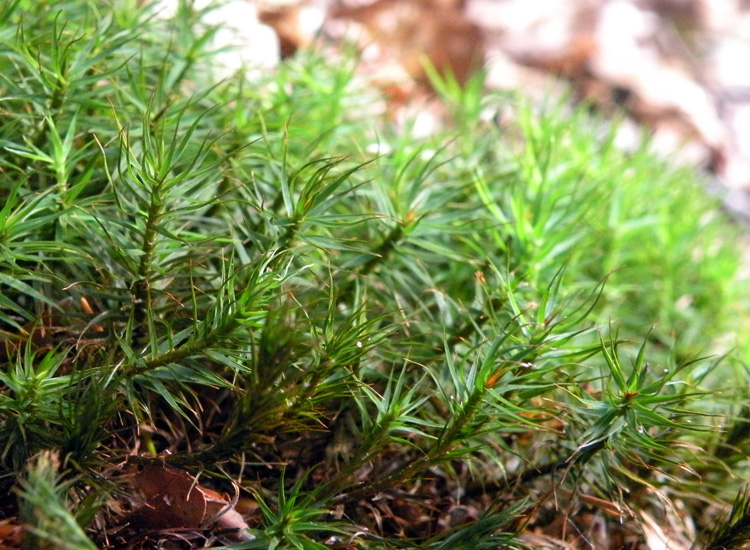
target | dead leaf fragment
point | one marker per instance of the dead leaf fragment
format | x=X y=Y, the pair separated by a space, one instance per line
x=412 y=31
x=10 y=534
x=175 y=499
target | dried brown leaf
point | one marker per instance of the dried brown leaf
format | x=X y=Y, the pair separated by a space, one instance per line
x=175 y=499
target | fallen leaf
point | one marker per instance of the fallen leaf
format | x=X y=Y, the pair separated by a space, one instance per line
x=10 y=534
x=411 y=31
x=175 y=499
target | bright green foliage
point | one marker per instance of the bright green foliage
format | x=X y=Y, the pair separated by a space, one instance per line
x=486 y=320
x=45 y=510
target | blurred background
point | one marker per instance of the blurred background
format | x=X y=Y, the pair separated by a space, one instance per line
x=681 y=68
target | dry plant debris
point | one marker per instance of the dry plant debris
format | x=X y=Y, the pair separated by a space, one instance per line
x=174 y=499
